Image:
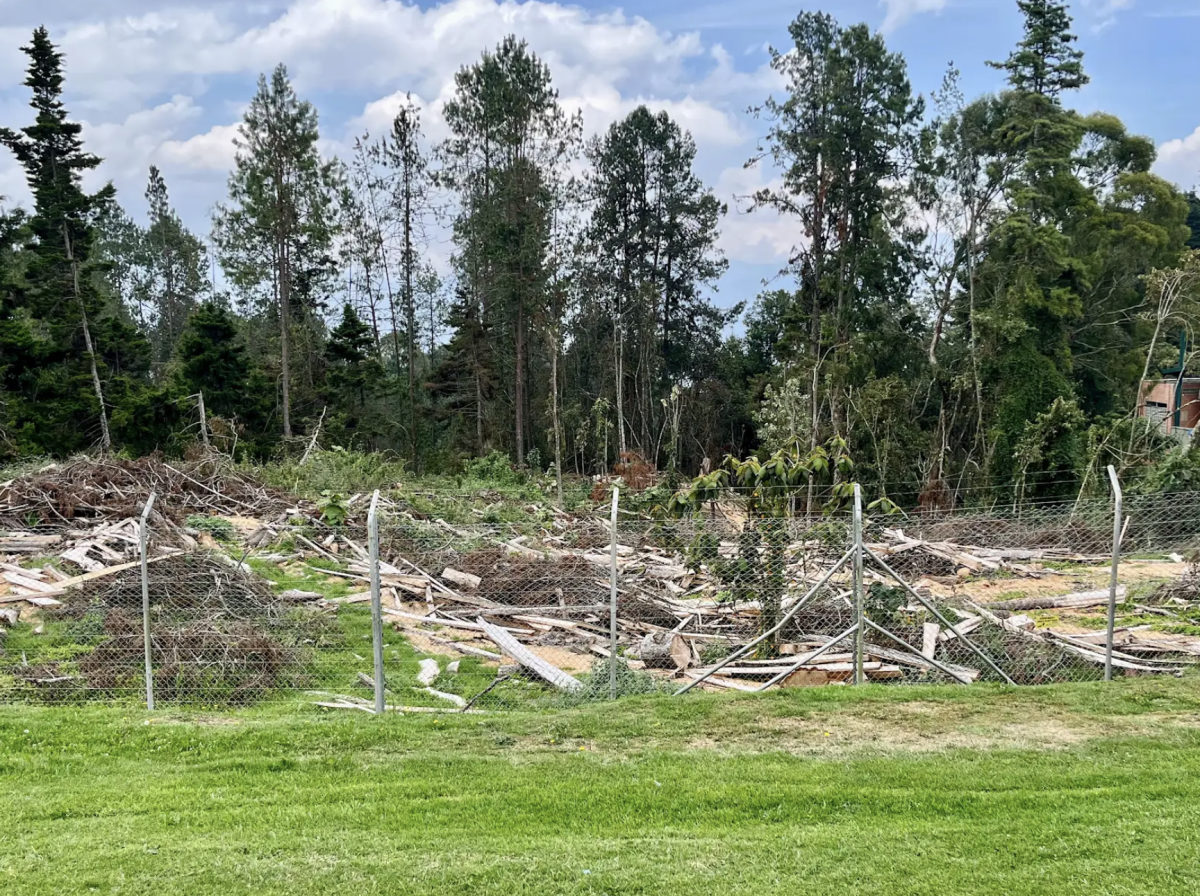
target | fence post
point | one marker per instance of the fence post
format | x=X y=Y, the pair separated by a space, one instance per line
x=143 y=538
x=1112 y=581
x=376 y=600
x=858 y=586
x=612 y=602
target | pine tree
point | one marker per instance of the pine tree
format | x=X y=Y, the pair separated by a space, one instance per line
x=410 y=182
x=62 y=226
x=354 y=370
x=178 y=267
x=1045 y=62
x=274 y=239
x=211 y=358
x=652 y=243
x=510 y=143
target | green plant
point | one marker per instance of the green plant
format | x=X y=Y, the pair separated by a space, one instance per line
x=333 y=507
x=218 y=527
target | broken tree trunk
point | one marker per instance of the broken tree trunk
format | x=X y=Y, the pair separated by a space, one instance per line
x=665 y=650
x=1077 y=600
x=527 y=659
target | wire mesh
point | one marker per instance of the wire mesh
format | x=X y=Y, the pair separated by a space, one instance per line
x=517 y=616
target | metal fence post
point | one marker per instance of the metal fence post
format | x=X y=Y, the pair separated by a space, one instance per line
x=1112 y=582
x=858 y=586
x=612 y=602
x=376 y=600
x=143 y=538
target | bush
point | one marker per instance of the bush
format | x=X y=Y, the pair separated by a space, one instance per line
x=336 y=471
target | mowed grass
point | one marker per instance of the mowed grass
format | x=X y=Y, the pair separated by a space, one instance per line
x=1075 y=789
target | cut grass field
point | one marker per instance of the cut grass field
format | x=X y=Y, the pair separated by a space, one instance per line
x=1073 y=789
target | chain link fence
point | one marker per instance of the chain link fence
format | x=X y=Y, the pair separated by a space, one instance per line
x=419 y=615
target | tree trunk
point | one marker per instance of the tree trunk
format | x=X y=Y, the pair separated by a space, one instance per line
x=410 y=314
x=619 y=364
x=554 y=409
x=519 y=384
x=105 y=436
x=285 y=319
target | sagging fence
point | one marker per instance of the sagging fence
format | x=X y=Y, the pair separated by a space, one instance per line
x=422 y=615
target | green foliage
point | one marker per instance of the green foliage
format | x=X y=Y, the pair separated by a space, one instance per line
x=495 y=468
x=333 y=507
x=219 y=528
x=336 y=470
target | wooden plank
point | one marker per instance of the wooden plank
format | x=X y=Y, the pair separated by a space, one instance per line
x=929 y=639
x=465 y=579
x=535 y=664
x=29 y=583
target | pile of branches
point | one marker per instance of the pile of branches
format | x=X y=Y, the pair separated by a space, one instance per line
x=218 y=635
x=114 y=488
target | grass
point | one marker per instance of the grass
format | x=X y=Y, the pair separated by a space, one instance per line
x=977 y=790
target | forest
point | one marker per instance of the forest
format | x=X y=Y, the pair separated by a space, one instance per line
x=976 y=289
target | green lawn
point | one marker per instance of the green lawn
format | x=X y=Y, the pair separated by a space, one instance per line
x=1075 y=789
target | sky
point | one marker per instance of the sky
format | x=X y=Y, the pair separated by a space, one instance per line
x=165 y=81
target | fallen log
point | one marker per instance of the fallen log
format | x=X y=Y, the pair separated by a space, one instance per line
x=465 y=579
x=527 y=659
x=1075 y=601
x=665 y=650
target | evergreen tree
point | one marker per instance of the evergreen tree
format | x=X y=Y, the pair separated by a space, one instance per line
x=178 y=267
x=61 y=229
x=354 y=370
x=510 y=141
x=211 y=358
x=652 y=245
x=1045 y=62
x=274 y=239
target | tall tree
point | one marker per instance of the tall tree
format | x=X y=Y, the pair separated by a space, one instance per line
x=1045 y=62
x=510 y=141
x=652 y=245
x=843 y=138
x=178 y=267
x=404 y=155
x=62 y=226
x=275 y=235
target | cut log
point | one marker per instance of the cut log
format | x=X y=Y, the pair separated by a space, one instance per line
x=465 y=579
x=812 y=677
x=535 y=664
x=294 y=595
x=665 y=650
x=1078 y=600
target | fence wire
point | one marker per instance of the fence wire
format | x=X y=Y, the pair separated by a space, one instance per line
x=521 y=616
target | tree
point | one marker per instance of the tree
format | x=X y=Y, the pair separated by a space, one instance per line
x=404 y=156
x=351 y=354
x=62 y=226
x=177 y=266
x=277 y=232
x=1045 y=63
x=652 y=247
x=211 y=358
x=510 y=140
x=843 y=139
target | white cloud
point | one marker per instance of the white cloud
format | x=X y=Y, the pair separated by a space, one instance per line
x=1104 y=12
x=1179 y=160
x=164 y=82
x=900 y=11
x=756 y=237
x=213 y=150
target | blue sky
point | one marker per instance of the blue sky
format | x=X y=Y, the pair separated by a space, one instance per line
x=163 y=81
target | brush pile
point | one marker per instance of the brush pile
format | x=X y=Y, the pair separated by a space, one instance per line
x=111 y=489
x=218 y=635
